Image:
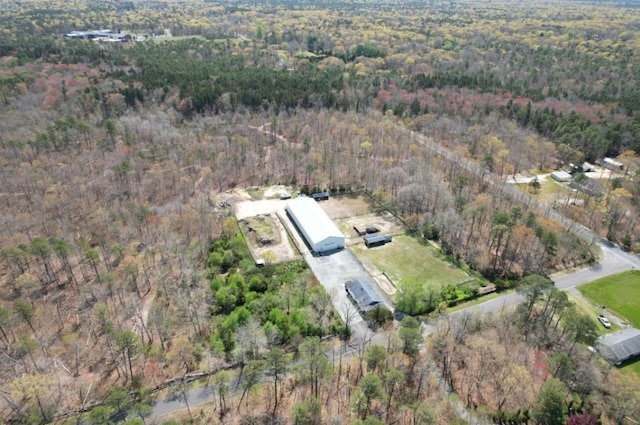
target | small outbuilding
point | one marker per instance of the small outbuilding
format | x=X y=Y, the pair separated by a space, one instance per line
x=561 y=176
x=620 y=346
x=361 y=231
x=376 y=240
x=320 y=196
x=314 y=225
x=365 y=296
x=612 y=164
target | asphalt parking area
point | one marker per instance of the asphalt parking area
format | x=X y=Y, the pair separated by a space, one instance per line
x=332 y=271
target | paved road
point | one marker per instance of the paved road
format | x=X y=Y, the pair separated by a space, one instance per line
x=614 y=261
x=199 y=396
x=176 y=402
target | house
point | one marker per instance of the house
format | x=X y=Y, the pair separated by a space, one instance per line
x=315 y=226
x=376 y=240
x=620 y=346
x=561 y=176
x=612 y=164
x=364 y=295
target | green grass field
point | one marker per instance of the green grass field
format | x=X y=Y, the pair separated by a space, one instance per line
x=619 y=293
x=406 y=258
x=591 y=309
x=550 y=190
x=633 y=367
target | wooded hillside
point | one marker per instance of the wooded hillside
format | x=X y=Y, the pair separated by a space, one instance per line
x=119 y=259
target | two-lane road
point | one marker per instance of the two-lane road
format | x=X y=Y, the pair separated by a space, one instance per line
x=614 y=261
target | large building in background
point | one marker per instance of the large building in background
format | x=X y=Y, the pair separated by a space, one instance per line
x=320 y=233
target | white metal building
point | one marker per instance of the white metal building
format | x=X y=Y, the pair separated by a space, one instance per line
x=612 y=164
x=561 y=176
x=314 y=224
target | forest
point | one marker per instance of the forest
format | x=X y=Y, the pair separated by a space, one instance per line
x=122 y=271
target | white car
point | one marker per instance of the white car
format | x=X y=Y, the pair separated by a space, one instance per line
x=605 y=322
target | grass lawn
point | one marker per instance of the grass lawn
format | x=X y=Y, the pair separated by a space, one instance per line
x=406 y=258
x=591 y=310
x=480 y=300
x=550 y=190
x=619 y=293
x=633 y=367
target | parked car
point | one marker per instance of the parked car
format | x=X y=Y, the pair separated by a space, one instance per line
x=605 y=322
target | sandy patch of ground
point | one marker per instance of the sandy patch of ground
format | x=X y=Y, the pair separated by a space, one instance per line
x=346 y=206
x=597 y=173
x=280 y=250
x=252 y=208
x=602 y=174
x=246 y=206
x=526 y=178
x=276 y=191
x=385 y=222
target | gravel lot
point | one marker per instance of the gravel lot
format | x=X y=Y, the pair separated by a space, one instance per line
x=246 y=209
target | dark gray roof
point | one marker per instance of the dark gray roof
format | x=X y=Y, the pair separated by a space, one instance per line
x=620 y=346
x=364 y=295
x=377 y=238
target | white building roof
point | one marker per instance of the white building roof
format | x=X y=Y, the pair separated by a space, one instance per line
x=561 y=176
x=315 y=222
x=613 y=162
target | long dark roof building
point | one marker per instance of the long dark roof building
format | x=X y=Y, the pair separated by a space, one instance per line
x=376 y=240
x=364 y=295
x=620 y=346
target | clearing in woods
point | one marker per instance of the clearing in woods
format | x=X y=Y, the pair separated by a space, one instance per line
x=406 y=258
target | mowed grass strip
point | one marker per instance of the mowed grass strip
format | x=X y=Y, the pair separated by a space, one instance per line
x=619 y=293
x=406 y=258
